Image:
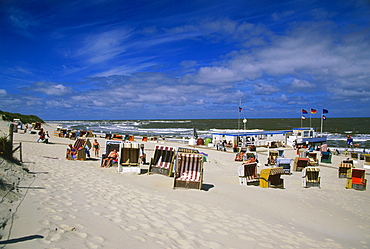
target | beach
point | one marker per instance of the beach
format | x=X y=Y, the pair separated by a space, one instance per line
x=78 y=204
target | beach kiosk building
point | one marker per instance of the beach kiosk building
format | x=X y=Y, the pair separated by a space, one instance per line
x=255 y=138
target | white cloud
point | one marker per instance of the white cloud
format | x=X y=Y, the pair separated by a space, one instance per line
x=301 y=86
x=264 y=89
x=50 y=88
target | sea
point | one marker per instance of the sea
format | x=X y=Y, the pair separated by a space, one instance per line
x=336 y=129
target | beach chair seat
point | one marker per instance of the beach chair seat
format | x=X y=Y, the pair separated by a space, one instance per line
x=163 y=160
x=111 y=145
x=273 y=155
x=239 y=156
x=356 y=179
x=366 y=159
x=311 y=177
x=189 y=171
x=300 y=163
x=354 y=156
x=285 y=164
x=248 y=174
x=270 y=178
x=129 y=158
x=313 y=159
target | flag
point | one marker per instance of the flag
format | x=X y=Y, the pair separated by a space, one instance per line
x=323 y=117
x=240 y=109
x=304 y=111
x=303 y=117
x=313 y=111
x=325 y=111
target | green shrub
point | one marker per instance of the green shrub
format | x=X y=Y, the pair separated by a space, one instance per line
x=8 y=116
x=5 y=150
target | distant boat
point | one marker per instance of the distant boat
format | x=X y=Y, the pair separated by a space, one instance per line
x=348 y=132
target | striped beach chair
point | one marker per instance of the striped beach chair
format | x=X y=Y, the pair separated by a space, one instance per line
x=248 y=174
x=189 y=171
x=311 y=177
x=163 y=160
x=343 y=168
x=129 y=158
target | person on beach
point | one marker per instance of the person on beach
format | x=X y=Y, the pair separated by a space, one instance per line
x=71 y=152
x=107 y=161
x=96 y=147
x=41 y=136
x=46 y=138
x=349 y=142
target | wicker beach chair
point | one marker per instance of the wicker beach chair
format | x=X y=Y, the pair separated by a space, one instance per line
x=326 y=157
x=270 y=178
x=356 y=179
x=111 y=145
x=311 y=177
x=129 y=158
x=248 y=174
x=285 y=164
x=189 y=171
x=343 y=168
x=81 y=145
x=163 y=160
x=300 y=163
x=273 y=155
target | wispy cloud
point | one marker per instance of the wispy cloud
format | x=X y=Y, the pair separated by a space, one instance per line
x=104 y=46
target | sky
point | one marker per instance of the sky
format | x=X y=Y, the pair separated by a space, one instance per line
x=123 y=60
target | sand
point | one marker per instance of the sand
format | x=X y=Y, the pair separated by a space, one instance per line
x=77 y=204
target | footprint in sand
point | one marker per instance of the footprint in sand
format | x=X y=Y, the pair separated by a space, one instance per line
x=139 y=238
x=45 y=222
x=56 y=217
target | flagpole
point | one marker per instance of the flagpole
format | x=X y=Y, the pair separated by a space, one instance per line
x=240 y=105
x=310 y=117
x=301 y=119
x=239 y=111
x=322 y=121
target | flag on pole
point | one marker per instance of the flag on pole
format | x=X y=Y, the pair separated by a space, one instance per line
x=323 y=117
x=325 y=111
x=304 y=111
x=240 y=109
x=313 y=111
x=303 y=117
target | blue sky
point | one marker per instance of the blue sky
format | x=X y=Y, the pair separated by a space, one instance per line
x=107 y=59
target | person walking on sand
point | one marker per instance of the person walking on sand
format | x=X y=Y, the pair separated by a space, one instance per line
x=107 y=161
x=96 y=147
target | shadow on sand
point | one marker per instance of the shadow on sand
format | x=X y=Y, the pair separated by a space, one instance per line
x=22 y=239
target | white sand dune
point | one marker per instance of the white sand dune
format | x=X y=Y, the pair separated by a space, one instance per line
x=77 y=204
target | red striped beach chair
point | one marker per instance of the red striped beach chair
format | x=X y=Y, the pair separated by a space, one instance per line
x=162 y=162
x=189 y=171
